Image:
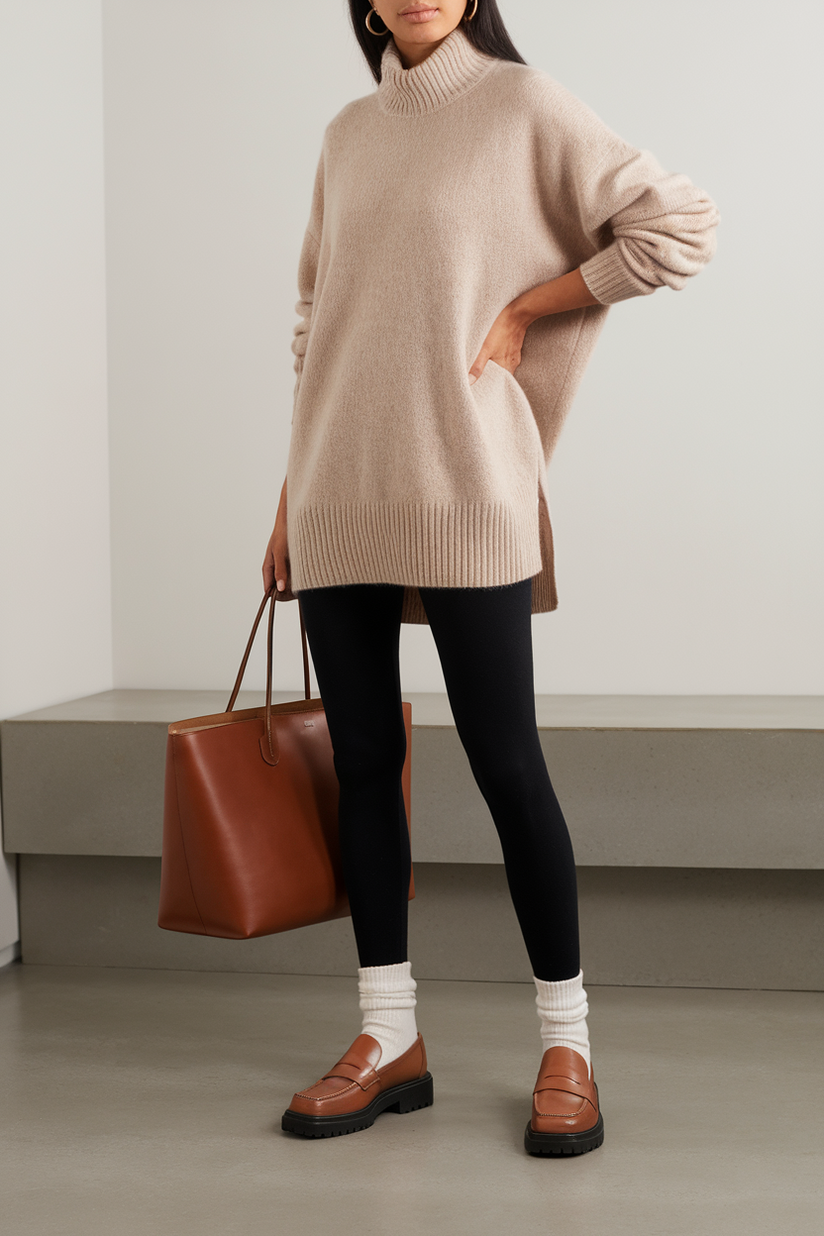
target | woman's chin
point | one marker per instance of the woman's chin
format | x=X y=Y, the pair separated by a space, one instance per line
x=421 y=34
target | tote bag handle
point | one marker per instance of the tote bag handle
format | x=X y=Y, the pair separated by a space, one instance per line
x=268 y=744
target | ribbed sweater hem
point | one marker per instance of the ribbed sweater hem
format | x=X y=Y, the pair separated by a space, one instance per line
x=425 y=545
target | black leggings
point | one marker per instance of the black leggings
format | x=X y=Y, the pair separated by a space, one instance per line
x=484 y=640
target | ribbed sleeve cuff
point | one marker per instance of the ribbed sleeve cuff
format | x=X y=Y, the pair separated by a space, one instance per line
x=608 y=278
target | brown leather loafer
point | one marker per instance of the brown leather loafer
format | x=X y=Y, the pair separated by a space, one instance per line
x=565 y=1114
x=356 y=1090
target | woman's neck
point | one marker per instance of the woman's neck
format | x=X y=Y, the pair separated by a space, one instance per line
x=413 y=54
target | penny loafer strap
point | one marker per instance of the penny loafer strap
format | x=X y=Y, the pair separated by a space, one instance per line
x=567 y=1085
x=361 y=1073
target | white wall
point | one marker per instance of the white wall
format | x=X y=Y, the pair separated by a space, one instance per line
x=214 y=116
x=55 y=620
x=688 y=503
x=686 y=495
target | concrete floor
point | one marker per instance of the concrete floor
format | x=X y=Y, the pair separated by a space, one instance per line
x=148 y=1103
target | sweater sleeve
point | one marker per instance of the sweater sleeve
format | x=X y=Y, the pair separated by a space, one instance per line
x=307 y=272
x=659 y=228
x=307 y=275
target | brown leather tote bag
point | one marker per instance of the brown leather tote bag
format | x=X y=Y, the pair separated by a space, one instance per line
x=250 y=822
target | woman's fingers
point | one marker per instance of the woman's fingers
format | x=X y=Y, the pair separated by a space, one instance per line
x=280 y=567
x=478 y=367
x=274 y=565
x=503 y=344
x=268 y=572
x=276 y=562
x=275 y=573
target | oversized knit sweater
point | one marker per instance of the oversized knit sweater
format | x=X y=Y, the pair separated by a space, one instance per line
x=448 y=191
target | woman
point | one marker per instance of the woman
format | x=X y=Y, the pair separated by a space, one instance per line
x=471 y=220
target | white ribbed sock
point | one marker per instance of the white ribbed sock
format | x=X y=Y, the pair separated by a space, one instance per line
x=563 y=1008
x=387 y=1001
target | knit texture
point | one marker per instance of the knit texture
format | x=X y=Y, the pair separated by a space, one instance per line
x=387 y=1001
x=452 y=188
x=563 y=1008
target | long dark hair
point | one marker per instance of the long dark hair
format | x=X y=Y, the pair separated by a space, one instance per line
x=486 y=32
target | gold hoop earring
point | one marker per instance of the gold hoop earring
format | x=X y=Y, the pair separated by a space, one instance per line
x=472 y=14
x=380 y=32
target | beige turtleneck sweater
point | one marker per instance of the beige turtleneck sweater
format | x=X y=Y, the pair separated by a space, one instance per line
x=454 y=187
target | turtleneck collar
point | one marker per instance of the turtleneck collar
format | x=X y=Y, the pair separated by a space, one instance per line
x=448 y=72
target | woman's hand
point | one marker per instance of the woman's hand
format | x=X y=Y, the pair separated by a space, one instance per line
x=276 y=562
x=504 y=342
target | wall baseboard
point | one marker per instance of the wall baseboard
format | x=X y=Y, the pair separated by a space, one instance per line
x=9 y=954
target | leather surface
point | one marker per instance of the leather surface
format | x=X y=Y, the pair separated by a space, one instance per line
x=357 y=1079
x=565 y=1099
x=250 y=821
x=251 y=848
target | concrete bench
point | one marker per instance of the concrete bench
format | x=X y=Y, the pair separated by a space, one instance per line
x=696 y=820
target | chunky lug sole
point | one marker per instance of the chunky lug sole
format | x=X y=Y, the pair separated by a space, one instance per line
x=558 y=1144
x=408 y=1097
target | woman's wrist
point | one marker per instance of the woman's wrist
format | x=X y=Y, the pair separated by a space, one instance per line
x=557 y=296
x=505 y=339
